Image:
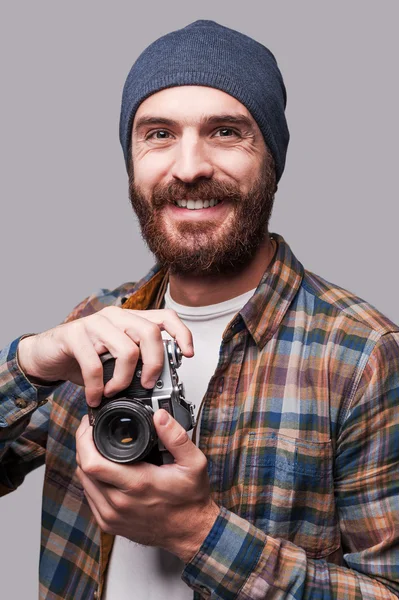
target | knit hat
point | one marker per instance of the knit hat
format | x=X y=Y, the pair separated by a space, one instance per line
x=208 y=54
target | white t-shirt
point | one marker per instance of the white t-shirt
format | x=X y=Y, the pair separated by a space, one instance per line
x=145 y=572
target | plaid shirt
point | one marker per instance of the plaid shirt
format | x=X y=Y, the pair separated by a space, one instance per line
x=300 y=425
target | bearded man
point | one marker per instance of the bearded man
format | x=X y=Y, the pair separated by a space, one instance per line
x=289 y=487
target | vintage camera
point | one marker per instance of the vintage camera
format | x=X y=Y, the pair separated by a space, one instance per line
x=123 y=427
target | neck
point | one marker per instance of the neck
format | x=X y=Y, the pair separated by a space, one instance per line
x=205 y=290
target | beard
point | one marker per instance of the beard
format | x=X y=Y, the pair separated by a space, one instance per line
x=206 y=247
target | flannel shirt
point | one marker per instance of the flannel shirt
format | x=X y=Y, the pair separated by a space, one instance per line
x=300 y=426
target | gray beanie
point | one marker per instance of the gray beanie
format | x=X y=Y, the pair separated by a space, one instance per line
x=206 y=53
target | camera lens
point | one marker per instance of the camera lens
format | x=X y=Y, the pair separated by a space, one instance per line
x=124 y=431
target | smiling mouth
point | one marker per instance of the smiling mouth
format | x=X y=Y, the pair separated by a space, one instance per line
x=196 y=204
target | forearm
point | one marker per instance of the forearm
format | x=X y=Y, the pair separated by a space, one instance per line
x=19 y=400
x=237 y=560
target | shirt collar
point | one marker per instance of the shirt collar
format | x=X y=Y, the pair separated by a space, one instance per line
x=264 y=312
x=149 y=291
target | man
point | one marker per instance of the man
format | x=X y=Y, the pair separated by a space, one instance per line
x=290 y=487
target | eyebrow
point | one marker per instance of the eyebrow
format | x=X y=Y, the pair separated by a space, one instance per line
x=229 y=119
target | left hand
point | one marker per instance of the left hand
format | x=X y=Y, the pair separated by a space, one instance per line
x=168 y=506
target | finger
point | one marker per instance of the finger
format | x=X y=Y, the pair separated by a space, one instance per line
x=97 y=467
x=124 y=369
x=88 y=457
x=104 y=495
x=144 y=334
x=95 y=488
x=94 y=496
x=122 y=347
x=148 y=336
x=175 y=439
x=91 y=369
x=169 y=321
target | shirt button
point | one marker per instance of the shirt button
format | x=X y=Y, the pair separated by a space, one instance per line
x=21 y=403
x=95 y=595
x=41 y=402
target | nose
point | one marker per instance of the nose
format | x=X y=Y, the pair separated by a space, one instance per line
x=192 y=161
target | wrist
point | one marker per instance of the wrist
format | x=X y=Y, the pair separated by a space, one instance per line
x=26 y=364
x=187 y=548
x=24 y=354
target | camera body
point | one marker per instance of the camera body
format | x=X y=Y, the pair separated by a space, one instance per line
x=123 y=427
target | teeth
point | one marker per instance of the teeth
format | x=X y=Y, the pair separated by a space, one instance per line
x=197 y=204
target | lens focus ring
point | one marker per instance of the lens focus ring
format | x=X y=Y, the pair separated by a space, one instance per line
x=124 y=431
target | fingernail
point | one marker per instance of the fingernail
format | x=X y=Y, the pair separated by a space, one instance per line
x=164 y=418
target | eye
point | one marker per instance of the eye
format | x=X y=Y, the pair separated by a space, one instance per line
x=159 y=134
x=226 y=132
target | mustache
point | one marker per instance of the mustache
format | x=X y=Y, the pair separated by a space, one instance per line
x=200 y=190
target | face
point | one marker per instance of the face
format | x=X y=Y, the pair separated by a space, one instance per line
x=201 y=180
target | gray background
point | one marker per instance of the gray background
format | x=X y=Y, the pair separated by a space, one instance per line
x=67 y=227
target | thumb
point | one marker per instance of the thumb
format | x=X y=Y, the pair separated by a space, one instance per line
x=175 y=438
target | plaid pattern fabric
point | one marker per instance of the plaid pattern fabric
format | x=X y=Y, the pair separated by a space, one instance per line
x=300 y=425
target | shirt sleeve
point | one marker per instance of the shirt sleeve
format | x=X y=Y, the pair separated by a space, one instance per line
x=25 y=409
x=22 y=437
x=239 y=561
x=25 y=406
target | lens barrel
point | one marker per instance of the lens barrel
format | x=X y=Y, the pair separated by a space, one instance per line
x=124 y=431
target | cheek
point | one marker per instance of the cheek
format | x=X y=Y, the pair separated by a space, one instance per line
x=150 y=169
x=241 y=167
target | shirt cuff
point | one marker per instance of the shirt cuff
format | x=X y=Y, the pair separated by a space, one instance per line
x=227 y=557
x=18 y=396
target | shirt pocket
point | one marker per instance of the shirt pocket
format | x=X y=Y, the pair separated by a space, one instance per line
x=289 y=491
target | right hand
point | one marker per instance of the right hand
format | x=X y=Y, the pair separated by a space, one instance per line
x=70 y=352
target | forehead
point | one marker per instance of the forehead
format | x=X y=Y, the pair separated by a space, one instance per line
x=190 y=104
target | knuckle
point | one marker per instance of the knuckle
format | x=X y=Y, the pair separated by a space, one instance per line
x=106 y=526
x=169 y=312
x=120 y=502
x=108 y=515
x=69 y=332
x=109 y=310
x=181 y=438
x=202 y=463
x=132 y=353
x=90 y=467
x=153 y=329
x=140 y=484
x=94 y=321
x=94 y=369
x=76 y=325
